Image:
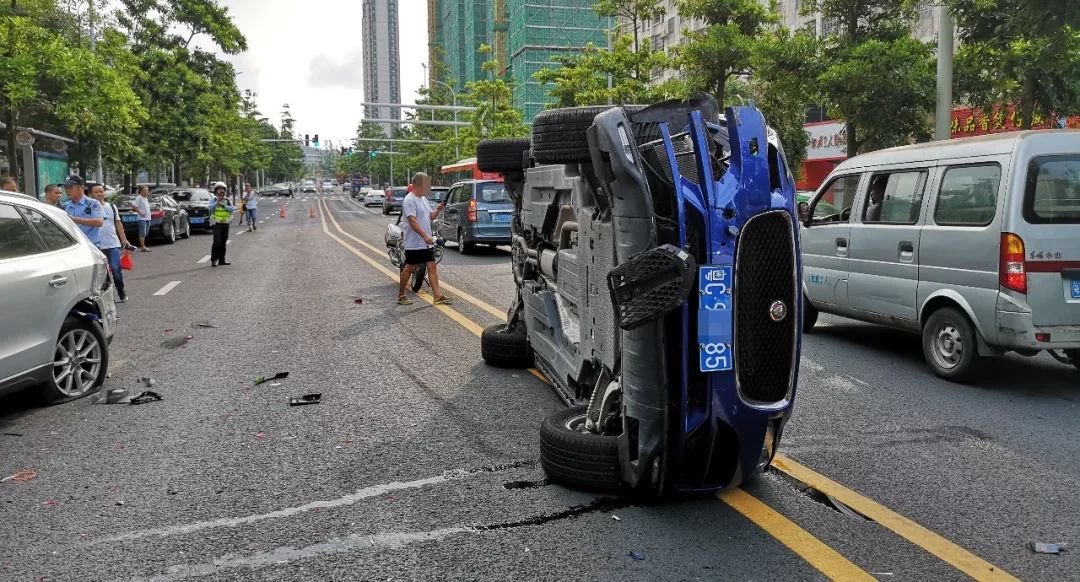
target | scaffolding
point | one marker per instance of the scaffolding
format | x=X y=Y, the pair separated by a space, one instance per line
x=461 y=26
x=538 y=31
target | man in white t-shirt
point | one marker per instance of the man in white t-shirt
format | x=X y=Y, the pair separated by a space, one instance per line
x=417 y=238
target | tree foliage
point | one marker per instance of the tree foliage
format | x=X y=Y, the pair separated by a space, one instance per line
x=1019 y=51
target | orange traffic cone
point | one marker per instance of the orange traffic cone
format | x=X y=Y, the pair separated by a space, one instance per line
x=281 y=212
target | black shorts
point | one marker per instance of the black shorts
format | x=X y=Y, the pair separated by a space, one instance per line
x=419 y=256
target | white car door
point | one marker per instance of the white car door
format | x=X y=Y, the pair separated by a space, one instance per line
x=36 y=287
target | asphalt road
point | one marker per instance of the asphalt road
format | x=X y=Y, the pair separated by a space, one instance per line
x=422 y=463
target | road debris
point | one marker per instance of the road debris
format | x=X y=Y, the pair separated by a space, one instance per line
x=1048 y=548
x=22 y=476
x=358 y=301
x=278 y=376
x=204 y=324
x=260 y=436
x=147 y=396
x=49 y=503
x=616 y=518
x=637 y=555
x=111 y=396
x=146 y=381
x=313 y=398
x=272 y=384
x=14 y=434
x=119 y=503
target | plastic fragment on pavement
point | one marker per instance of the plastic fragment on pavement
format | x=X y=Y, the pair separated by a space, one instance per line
x=1048 y=548
x=148 y=382
x=313 y=398
x=278 y=376
x=147 y=396
x=22 y=476
x=111 y=396
x=637 y=555
x=616 y=518
x=50 y=503
x=198 y=324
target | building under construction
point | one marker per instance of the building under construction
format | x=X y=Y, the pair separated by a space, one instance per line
x=525 y=36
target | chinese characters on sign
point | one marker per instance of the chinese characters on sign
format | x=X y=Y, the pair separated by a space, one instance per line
x=828 y=141
x=968 y=122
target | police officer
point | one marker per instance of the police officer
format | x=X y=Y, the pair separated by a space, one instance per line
x=84 y=211
x=220 y=214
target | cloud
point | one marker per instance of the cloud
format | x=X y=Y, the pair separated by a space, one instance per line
x=347 y=72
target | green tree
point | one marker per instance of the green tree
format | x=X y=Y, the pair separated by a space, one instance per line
x=583 y=79
x=636 y=13
x=1019 y=51
x=495 y=115
x=875 y=77
x=723 y=49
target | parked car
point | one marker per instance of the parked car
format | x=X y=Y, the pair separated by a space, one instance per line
x=328 y=185
x=308 y=187
x=394 y=198
x=56 y=303
x=167 y=219
x=359 y=194
x=974 y=243
x=438 y=194
x=196 y=202
x=477 y=212
x=374 y=198
x=656 y=261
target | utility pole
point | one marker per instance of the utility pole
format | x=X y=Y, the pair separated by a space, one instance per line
x=9 y=110
x=99 y=175
x=943 y=115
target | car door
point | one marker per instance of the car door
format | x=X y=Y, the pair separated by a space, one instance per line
x=884 y=247
x=824 y=238
x=453 y=211
x=36 y=288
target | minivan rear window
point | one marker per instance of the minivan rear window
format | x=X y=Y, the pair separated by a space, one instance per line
x=493 y=192
x=968 y=195
x=1052 y=193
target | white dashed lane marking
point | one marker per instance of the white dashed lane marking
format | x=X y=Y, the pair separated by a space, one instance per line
x=168 y=287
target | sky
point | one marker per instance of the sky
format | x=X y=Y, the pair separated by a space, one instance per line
x=307 y=53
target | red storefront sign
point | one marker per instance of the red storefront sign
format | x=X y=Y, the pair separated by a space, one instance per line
x=969 y=121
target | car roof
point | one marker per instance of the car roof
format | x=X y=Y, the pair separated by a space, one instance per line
x=964 y=147
x=58 y=215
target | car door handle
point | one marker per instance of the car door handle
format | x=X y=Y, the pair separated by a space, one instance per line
x=907 y=251
x=58 y=282
x=841 y=247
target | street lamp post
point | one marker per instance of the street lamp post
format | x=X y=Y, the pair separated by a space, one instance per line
x=453 y=95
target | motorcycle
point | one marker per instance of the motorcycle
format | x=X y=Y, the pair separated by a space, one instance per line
x=395 y=244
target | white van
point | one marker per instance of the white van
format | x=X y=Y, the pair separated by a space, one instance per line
x=974 y=243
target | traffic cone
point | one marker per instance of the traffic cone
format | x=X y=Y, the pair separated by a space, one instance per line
x=281 y=212
x=311 y=212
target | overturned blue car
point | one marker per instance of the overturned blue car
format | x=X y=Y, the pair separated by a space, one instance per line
x=656 y=257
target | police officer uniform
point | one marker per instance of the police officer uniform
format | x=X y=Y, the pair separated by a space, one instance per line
x=220 y=215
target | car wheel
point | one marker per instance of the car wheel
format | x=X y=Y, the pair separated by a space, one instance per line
x=558 y=135
x=949 y=344
x=505 y=348
x=418 y=277
x=809 y=316
x=168 y=232
x=462 y=246
x=80 y=361
x=186 y=232
x=502 y=155
x=572 y=456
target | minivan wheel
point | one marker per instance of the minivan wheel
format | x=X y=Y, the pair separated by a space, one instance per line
x=462 y=246
x=949 y=344
x=575 y=457
x=505 y=348
x=80 y=361
x=809 y=316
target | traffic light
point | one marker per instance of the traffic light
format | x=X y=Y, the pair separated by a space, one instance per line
x=315 y=141
x=307 y=140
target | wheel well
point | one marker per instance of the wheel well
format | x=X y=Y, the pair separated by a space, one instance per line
x=936 y=303
x=86 y=309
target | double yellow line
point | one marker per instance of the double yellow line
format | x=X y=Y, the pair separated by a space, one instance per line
x=815 y=552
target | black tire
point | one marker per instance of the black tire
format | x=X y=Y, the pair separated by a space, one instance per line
x=169 y=234
x=55 y=392
x=186 y=231
x=418 y=277
x=505 y=348
x=502 y=155
x=463 y=246
x=558 y=135
x=949 y=344
x=577 y=459
x=809 y=316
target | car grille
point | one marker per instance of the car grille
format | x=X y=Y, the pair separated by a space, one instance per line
x=765 y=272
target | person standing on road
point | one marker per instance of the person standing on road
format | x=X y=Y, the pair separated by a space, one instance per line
x=10 y=184
x=220 y=214
x=113 y=239
x=251 y=205
x=52 y=195
x=141 y=206
x=418 y=241
x=84 y=211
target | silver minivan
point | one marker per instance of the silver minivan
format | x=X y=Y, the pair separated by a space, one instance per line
x=974 y=243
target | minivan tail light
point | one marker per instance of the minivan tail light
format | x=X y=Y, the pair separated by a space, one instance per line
x=1012 y=273
x=157 y=214
x=472 y=210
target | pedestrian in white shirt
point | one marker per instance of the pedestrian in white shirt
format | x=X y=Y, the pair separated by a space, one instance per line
x=251 y=204
x=141 y=206
x=112 y=239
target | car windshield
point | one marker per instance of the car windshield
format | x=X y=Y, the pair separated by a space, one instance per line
x=438 y=195
x=492 y=193
x=399 y=193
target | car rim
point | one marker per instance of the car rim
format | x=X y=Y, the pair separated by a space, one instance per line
x=576 y=423
x=77 y=362
x=461 y=240
x=948 y=347
x=187 y=229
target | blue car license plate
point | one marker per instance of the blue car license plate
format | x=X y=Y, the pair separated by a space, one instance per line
x=502 y=217
x=130 y=218
x=714 y=318
x=1076 y=289
x=196 y=220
